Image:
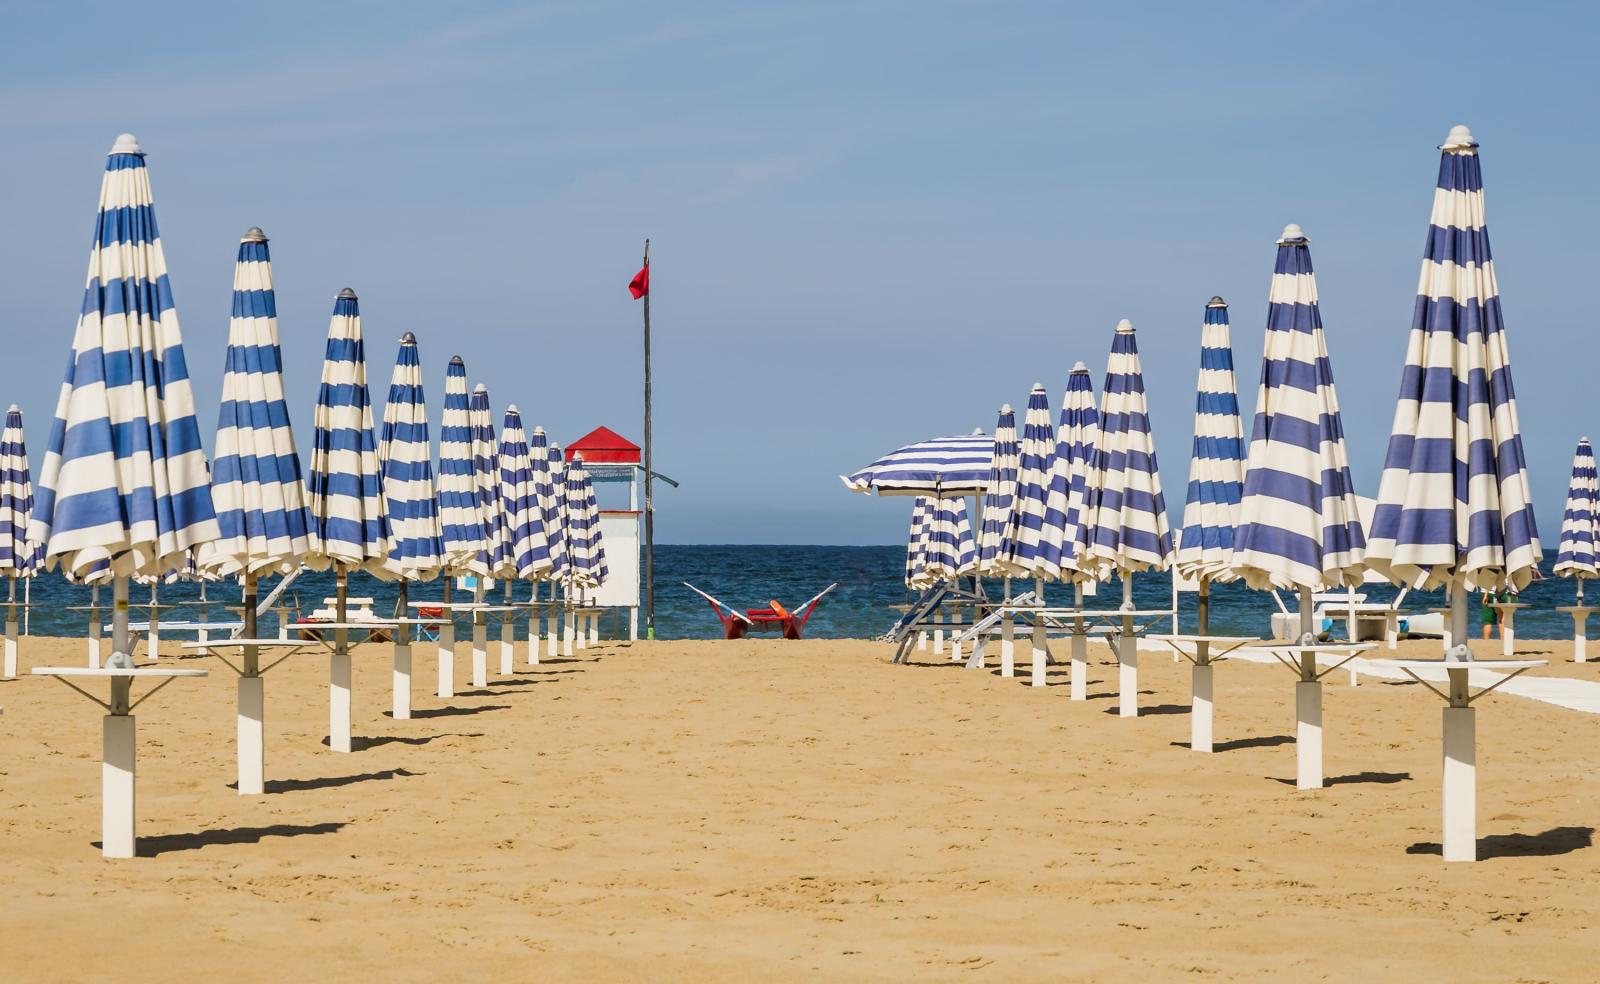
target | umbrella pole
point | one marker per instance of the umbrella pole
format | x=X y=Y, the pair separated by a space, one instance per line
x=1200 y=711
x=94 y=627
x=447 y=643
x=1008 y=648
x=11 y=629
x=400 y=706
x=251 y=717
x=153 y=637
x=118 y=767
x=552 y=633
x=508 y=635
x=1308 y=706
x=533 y=623
x=1080 y=647
x=339 y=668
x=480 y=636
x=1039 y=645
x=1127 y=655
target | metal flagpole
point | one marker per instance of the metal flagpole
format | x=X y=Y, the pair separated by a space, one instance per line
x=649 y=475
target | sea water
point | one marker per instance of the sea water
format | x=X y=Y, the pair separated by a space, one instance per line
x=869 y=599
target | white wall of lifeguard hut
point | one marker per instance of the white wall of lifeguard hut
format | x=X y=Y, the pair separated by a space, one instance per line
x=612 y=460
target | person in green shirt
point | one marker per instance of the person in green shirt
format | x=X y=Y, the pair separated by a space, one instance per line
x=1489 y=615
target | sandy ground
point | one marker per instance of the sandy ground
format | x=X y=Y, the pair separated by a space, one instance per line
x=769 y=810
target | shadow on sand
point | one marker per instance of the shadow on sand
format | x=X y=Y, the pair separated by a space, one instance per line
x=150 y=847
x=330 y=782
x=1154 y=709
x=1263 y=741
x=361 y=743
x=1382 y=778
x=1556 y=840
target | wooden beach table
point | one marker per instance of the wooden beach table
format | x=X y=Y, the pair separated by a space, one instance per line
x=1204 y=651
x=1460 y=840
x=251 y=727
x=118 y=761
x=1580 y=629
x=1301 y=659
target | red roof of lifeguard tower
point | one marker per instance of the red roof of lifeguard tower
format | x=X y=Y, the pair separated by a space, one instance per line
x=604 y=445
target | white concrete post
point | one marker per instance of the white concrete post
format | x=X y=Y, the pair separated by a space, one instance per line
x=922 y=641
x=939 y=619
x=1040 y=651
x=339 y=673
x=1200 y=712
x=447 y=656
x=533 y=626
x=567 y=629
x=1080 y=660
x=252 y=735
x=400 y=706
x=480 y=651
x=94 y=640
x=11 y=644
x=1008 y=646
x=508 y=645
x=1580 y=636
x=594 y=628
x=117 y=773
x=1460 y=783
x=1508 y=633
x=1308 y=734
x=552 y=636
x=1127 y=657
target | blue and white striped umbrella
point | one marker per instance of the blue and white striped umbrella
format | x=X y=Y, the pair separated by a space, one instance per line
x=948 y=549
x=460 y=511
x=1216 y=469
x=18 y=555
x=405 y=458
x=1035 y=542
x=1127 y=513
x=943 y=466
x=917 y=544
x=124 y=488
x=495 y=559
x=1299 y=526
x=1000 y=498
x=527 y=548
x=1454 y=503
x=585 y=554
x=349 y=528
x=1077 y=436
x=1575 y=557
x=256 y=480
x=556 y=516
x=543 y=460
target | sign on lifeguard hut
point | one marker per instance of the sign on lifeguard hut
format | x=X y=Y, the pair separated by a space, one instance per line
x=611 y=458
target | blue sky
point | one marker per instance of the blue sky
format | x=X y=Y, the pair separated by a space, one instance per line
x=872 y=222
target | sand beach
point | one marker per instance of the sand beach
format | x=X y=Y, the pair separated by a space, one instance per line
x=766 y=810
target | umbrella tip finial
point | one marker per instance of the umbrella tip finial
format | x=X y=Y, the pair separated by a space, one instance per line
x=16 y=409
x=126 y=143
x=346 y=295
x=538 y=429
x=1038 y=388
x=1216 y=301
x=1124 y=327
x=1582 y=440
x=409 y=338
x=1292 y=233
x=253 y=235
x=1079 y=366
x=1460 y=138
x=455 y=360
x=1005 y=408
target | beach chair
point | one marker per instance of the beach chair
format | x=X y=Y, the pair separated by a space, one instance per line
x=429 y=632
x=735 y=624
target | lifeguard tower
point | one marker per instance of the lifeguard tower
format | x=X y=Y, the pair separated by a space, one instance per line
x=610 y=459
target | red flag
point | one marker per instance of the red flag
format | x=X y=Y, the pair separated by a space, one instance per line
x=640 y=285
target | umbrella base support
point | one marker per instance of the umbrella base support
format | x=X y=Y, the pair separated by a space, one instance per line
x=1008 y=648
x=339 y=702
x=11 y=648
x=401 y=708
x=1040 y=655
x=1460 y=784
x=117 y=773
x=567 y=629
x=508 y=647
x=1200 y=714
x=1080 y=665
x=252 y=735
x=1128 y=674
x=480 y=655
x=552 y=637
x=1308 y=734
x=94 y=641
x=447 y=660
x=533 y=639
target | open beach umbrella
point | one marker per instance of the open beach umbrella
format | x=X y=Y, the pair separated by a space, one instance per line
x=1299 y=526
x=1454 y=507
x=943 y=466
x=999 y=497
x=460 y=511
x=18 y=556
x=1125 y=512
x=1575 y=557
x=405 y=463
x=349 y=530
x=124 y=488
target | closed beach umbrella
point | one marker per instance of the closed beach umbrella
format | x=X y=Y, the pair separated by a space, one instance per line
x=1454 y=508
x=1299 y=524
x=525 y=535
x=549 y=519
x=1454 y=505
x=256 y=481
x=1000 y=498
x=1125 y=510
x=123 y=489
x=1575 y=556
x=1077 y=437
x=405 y=459
x=1216 y=467
x=349 y=529
x=916 y=544
x=943 y=466
x=586 y=567
x=493 y=560
x=18 y=556
x=557 y=517
x=405 y=463
x=1036 y=543
x=949 y=548
x=460 y=512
